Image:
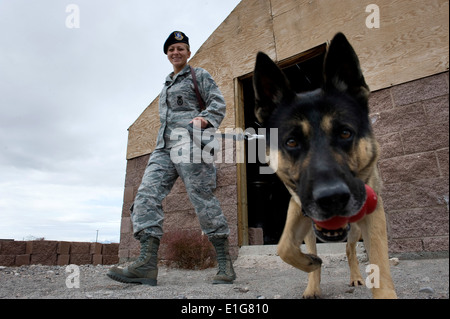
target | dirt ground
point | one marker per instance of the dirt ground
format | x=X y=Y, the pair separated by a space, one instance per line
x=260 y=275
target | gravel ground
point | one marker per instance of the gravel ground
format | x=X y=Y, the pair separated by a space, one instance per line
x=260 y=276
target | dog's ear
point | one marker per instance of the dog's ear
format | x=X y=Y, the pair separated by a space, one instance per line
x=342 y=70
x=271 y=87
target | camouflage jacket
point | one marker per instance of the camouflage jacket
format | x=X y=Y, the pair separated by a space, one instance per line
x=178 y=103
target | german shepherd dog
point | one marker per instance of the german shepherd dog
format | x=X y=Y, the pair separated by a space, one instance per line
x=326 y=154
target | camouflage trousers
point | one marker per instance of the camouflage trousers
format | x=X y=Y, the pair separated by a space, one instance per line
x=160 y=175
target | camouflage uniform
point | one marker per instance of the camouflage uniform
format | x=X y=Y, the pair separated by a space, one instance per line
x=178 y=105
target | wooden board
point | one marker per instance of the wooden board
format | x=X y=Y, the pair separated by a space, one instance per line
x=142 y=134
x=411 y=43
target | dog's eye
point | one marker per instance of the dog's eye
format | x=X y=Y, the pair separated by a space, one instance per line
x=346 y=134
x=292 y=143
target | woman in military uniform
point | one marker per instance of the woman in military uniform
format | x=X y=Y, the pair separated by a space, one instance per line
x=179 y=107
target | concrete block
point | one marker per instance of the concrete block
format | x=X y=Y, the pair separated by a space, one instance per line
x=110 y=249
x=22 y=260
x=405 y=245
x=7 y=260
x=96 y=248
x=63 y=260
x=13 y=247
x=80 y=248
x=42 y=247
x=80 y=259
x=63 y=248
x=420 y=223
x=436 y=244
x=47 y=259
x=420 y=90
x=97 y=259
x=409 y=168
x=110 y=260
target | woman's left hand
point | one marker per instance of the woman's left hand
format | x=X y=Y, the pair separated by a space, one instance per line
x=200 y=122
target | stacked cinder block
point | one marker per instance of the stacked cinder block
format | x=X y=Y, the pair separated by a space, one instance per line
x=411 y=124
x=110 y=254
x=80 y=253
x=42 y=252
x=10 y=251
x=19 y=253
x=63 y=252
x=96 y=253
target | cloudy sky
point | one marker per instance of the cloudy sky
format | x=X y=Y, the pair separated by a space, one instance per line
x=68 y=93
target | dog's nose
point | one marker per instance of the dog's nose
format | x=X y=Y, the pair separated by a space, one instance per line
x=332 y=198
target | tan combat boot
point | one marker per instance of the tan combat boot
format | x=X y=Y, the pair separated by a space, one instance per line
x=144 y=270
x=226 y=274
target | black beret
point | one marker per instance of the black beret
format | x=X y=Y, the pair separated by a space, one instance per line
x=175 y=37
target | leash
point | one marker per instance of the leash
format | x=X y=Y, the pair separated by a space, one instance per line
x=234 y=136
x=241 y=136
x=212 y=139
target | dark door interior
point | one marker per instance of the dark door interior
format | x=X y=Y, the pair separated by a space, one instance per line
x=267 y=197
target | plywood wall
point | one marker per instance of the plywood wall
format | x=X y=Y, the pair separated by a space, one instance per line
x=412 y=42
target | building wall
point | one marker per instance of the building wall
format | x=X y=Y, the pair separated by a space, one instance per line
x=405 y=63
x=411 y=123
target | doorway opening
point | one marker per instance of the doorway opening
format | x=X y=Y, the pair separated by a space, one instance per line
x=267 y=199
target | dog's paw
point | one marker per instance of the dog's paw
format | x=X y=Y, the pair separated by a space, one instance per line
x=311 y=295
x=312 y=291
x=356 y=282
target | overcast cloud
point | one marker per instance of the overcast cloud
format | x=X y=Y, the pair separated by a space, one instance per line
x=67 y=98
